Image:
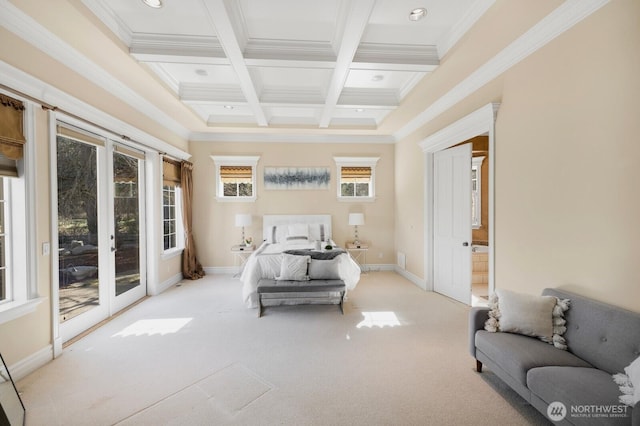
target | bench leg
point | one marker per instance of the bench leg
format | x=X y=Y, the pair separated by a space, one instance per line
x=478 y=366
x=341 y=303
x=259 y=306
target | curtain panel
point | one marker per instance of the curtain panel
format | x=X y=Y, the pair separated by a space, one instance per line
x=191 y=268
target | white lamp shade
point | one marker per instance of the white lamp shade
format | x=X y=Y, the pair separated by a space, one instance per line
x=243 y=220
x=356 y=219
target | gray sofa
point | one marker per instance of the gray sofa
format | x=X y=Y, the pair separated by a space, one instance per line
x=602 y=340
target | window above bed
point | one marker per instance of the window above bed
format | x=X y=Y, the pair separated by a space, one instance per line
x=356 y=178
x=235 y=178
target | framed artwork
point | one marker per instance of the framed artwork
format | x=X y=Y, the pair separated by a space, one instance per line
x=297 y=177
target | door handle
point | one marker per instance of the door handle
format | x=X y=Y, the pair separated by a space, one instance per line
x=465 y=244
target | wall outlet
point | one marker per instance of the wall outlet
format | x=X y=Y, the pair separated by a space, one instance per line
x=46 y=248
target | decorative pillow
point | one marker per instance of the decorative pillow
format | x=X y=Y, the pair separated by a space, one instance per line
x=294 y=268
x=277 y=234
x=316 y=232
x=298 y=230
x=536 y=316
x=629 y=383
x=324 y=269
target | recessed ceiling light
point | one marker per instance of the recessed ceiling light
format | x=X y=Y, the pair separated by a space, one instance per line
x=359 y=109
x=202 y=72
x=377 y=77
x=417 y=14
x=228 y=107
x=156 y=4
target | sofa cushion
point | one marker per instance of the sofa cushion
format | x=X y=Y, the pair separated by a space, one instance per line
x=516 y=354
x=589 y=395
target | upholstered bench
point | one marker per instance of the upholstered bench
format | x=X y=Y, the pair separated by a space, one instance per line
x=281 y=292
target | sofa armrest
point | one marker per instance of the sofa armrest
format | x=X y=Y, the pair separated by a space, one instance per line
x=477 y=317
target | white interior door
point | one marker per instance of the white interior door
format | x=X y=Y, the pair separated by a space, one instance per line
x=452 y=223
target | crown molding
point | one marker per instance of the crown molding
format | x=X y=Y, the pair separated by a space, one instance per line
x=174 y=48
x=25 y=27
x=290 y=138
x=44 y=92
x=473 y=15
x=411 y=54
x=110 y=19
x=557 y=22
x=292 y=50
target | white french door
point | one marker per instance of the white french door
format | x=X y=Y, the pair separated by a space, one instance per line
x=100 y=214
x=452 y=223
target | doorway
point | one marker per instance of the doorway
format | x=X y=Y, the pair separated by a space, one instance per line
x=478 y=123
x=100 y=228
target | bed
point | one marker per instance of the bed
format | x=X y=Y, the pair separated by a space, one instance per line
x=285 y=236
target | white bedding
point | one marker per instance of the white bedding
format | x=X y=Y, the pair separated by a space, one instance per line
x=265 y=263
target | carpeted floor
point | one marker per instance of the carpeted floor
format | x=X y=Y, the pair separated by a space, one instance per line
x=195 y=355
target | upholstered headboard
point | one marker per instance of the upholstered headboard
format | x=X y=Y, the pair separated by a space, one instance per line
x=319 y=226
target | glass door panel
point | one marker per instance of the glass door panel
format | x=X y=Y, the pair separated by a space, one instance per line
x=78 y=235
x=126 y=212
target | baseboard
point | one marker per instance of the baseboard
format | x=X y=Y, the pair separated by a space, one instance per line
x=411 y=277
x=221 y=270
x=31 y=363
x=167 y=284
x=374 y=267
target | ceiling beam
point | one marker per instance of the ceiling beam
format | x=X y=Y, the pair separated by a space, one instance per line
x=354 y=27
x=227 y=38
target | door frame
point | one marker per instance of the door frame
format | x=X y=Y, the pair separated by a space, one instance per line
x=480 y=122
x=151 y=174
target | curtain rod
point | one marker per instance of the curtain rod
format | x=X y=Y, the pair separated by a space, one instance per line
x=47 y=106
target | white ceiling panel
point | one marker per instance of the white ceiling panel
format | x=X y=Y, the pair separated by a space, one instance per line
x=286 y=62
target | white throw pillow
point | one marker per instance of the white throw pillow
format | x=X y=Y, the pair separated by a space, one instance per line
x=324 y=269
x=629 y=383
x=536 y=316
x=294 y=268
x=633 y=372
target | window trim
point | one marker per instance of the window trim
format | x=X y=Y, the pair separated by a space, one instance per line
x=476 y=163
x=25 y=299
x=178 y=249
x=235 y=160
x=356 y=162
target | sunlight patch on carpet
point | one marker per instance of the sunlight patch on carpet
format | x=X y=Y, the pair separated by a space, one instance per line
x=234 y=387
x=379 y=319
x=150 y=327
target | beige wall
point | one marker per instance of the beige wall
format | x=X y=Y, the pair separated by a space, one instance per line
x=213 y=221
x=566 y=198
x=579 y=200
x=14 y=345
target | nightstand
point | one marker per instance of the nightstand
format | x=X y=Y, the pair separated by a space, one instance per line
x=359 y=253
x=240 y=255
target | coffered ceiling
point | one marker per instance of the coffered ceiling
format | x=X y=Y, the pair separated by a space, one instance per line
x=299 y=64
